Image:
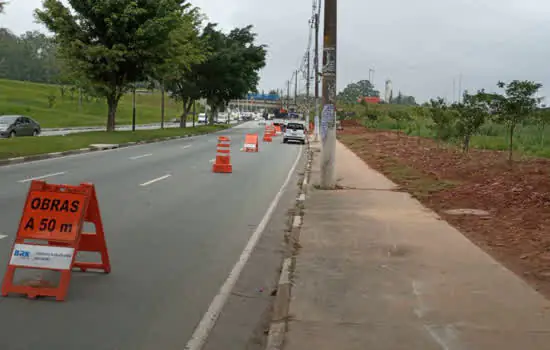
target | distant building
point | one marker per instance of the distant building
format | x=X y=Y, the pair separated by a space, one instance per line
x=370 y=99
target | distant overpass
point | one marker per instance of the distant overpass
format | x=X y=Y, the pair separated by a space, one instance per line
x=255 y=105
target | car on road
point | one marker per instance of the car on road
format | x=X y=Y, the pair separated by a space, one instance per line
x=18 y=125
x=295 y=131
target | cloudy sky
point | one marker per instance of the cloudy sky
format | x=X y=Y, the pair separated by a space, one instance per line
x=421 y=45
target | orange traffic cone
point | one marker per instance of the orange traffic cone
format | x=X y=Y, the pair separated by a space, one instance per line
x=223 y=159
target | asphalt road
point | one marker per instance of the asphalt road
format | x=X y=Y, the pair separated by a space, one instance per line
x=174 y=232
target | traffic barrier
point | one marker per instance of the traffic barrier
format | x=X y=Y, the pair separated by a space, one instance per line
x=278 y=131
x=223 y=158
x=251 y=143
x=55 y=215
x=269 y=132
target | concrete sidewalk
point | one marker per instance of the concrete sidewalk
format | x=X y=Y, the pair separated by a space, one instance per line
x=378 y=271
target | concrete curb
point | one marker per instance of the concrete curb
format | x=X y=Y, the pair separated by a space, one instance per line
x=35 y=157
x=279 y=319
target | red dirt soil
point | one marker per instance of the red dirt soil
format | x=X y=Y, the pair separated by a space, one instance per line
x=517 y=194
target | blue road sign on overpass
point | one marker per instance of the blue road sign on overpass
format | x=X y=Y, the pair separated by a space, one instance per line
x=262 y=97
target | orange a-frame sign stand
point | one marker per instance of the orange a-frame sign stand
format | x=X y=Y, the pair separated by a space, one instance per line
x=55 y=214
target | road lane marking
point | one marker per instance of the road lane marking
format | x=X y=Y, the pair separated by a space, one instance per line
x=141 y=156
x=41 y=177
x=155 y=180
x=212 y=160
x=186 y=146
x=200 y=334
x=3 y=236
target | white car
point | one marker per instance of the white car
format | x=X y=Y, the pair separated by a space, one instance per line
x=202 y=118
x=295 y=131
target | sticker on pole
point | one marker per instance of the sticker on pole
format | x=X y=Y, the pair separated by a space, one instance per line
x=39 y=256
x=327 y=120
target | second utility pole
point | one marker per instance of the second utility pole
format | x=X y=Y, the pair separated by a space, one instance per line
x=328 y=119
x=296 y=91
x=316 y=75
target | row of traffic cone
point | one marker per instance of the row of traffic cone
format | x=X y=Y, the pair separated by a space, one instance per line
x=222 y=164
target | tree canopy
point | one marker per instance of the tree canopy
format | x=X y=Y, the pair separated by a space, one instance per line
x=354 y=91
x=112 y=44
x=516 y=104
x=232 y=68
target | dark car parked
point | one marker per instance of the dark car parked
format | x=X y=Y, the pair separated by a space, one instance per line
x=18 y=125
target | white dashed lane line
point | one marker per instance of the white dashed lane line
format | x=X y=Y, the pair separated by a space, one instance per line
x=155 y=180
x=41 y=177
x=141 y=156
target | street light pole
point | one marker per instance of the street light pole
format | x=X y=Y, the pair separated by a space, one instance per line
x=328 y=123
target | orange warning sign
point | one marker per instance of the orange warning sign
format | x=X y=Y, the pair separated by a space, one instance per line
x=55 y=215
x=251 y=143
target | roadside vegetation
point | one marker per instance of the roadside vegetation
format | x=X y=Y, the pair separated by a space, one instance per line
x=25 y=146
x=101 y=51
x=52 y=107
x=509 y=120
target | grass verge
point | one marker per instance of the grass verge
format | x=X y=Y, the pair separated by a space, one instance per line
x=26 y=146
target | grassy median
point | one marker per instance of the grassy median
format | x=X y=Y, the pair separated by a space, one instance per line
x=25 y=146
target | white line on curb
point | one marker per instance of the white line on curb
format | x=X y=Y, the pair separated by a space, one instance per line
x=41 y=177
x=156 y=180
x=297 y=221
x=209 y=319
x=285 y=272
x=142 y=156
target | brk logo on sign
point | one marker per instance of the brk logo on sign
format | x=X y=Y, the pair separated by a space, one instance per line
x=22 y=253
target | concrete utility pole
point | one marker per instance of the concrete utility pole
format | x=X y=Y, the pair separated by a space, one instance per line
x=328 y=124
x=308 y=77
x=288 y=95
x=316 y=74
x=296 y=89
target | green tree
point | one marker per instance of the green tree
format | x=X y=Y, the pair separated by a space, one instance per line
x=354 y=91
x=112 y=44
x=403 y=100
x=471 y=114
x=2 y=5
x=443 y=118
x=273 y=92
x=188 y=51
x=516 y=105
x=232 y=68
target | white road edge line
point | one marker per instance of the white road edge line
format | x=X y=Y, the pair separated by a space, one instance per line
x=201 y=333
x=142 y=156
x=186 y=146
x=155 y=180
x=3 y=236
x=41 y=177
